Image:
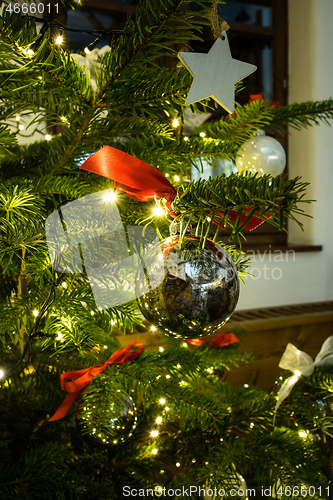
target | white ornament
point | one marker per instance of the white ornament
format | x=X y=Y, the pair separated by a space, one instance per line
x=261 y=154
x=90 y=63
x=215 y=74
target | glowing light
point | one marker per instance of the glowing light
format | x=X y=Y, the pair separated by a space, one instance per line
x=208 y=219
x=202 y=134
x=63 y=119
x=184 y=344
x=86 y=50
x=110 y=196
x=175 y=123
x=105 y=346
x=161 y=471
x=177 y=179
x=64 y=284
x=158 y=211
x=209 y=370
x=161 y=349
x=48 y=137
x=60 y=337
x=166 y=175
x=92 y=313
x=167 y=376
x=294 y=379
x=186 y=138
x=246 y=385
x=2 y=373
x=154 y=451
x=35 y=313
x=18 y=118
x=30 y=52
x=59 y=40
x=21 y=127
x=167 y=408
x=297 y=373
x=162 y=401
x=153 y=328
x=154 y=434
x=179 y=366
x=177 y=464
x=251 y=425
x=303 y=434
x=159 y=420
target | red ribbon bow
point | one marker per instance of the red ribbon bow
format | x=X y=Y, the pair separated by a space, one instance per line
x=83 y=378
x=139 y=180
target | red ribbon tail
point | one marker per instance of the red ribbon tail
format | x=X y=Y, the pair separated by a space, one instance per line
x=66 y=405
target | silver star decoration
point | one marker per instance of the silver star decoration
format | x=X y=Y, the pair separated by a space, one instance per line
x=215 y=74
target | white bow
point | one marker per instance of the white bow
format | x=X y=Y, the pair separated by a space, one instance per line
x=301 y=364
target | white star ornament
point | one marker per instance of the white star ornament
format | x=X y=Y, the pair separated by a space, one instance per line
x=215 y=74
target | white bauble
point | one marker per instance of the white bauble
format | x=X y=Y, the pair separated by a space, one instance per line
x=261 y=154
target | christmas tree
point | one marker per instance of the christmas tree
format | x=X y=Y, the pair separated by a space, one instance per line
x=135 y=421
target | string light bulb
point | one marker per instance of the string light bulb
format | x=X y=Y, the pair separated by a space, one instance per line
x=30 y=52
x=154 y=451
x=64 y=284
x=175 y=123
x=110 y=196
x=59 y=40
x=159 y=420
x=18 y=118
x=87 y=51
x=297 y=373
x=153 y=328
x=176 y=178
x=303 y=434
x=202 y=134
x=186 y=138
x=35 y=313
x=154 y=433
x=158 y=211
x=48 y=137
x=2 y=373
x=21 y=127
x=162 y=401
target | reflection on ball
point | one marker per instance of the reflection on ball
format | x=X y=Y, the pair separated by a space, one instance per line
x=261 y=154
x=120 y=424
x=197 y=289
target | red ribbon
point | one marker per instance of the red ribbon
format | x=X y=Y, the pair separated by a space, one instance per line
x=142 y=182
x=139 y=180
x=221 y=340
x=81 y=379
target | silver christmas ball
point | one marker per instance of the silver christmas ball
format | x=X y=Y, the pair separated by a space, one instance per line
x=190 y=292
x=261 y=154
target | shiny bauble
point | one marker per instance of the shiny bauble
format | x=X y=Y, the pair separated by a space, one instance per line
x=261 y=154
x=191 y=292
x=117 y=424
